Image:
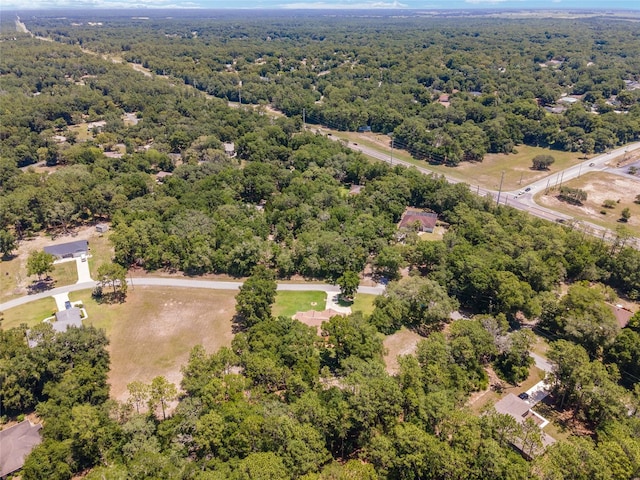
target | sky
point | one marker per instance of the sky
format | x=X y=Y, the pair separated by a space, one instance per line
x=325 y=4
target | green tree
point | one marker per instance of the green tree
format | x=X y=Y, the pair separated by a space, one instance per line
x=114 y=276
x=39 y=263
x=348 y=283
x=161 y=392
x=7 y=243
x=625 y=215
x=542 y=162
x=138 y=393
x=257 y=294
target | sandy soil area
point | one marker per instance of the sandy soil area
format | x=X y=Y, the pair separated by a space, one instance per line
x=403 y=342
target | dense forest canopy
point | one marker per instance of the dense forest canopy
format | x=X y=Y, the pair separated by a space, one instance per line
x=283 y=402
x=392 y=73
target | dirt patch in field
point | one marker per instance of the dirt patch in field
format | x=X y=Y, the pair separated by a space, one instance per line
x=403 y=342
x=600 y=187
x=159 y=327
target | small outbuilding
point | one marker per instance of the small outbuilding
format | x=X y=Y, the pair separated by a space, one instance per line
x=68 y=250
x=102 y=227
x=15 y=444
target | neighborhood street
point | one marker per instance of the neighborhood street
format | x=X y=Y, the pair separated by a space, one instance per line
x=184 y=283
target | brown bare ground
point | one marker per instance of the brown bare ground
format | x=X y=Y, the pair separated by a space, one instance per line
x=156 y=331
x=600 y=187
x=403 y=342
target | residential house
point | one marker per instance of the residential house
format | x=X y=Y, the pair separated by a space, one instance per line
x=15 y=444
x=425 y=221
x=521 y=411
x=68 y=250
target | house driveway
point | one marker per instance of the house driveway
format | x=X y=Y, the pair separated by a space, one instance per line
x=60 y=299
x=84 y=275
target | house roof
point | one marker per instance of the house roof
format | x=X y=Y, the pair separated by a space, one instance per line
x=355 y=189
x=67 y=318
x=514 y=406
x=622 y=315
x=427 y=220
x=67 y=249
x=314 y=318
x=15 y=444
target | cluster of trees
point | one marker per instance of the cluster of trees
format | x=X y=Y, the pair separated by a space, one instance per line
x=389 y=73
x=283 y=402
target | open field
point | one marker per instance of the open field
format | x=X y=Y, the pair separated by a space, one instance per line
x=516 y=166
x=153 y=332
x=289 y=303
x=30 y=313
x=600 y=186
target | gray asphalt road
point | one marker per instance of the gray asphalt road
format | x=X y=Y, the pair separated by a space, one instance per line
x=541 y=362
x=186 y=283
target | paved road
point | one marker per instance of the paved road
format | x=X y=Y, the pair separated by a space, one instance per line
x=526 y=202
x=185 y=283
x=541 y=362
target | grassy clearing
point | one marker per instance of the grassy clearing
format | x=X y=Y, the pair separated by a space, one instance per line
x=600 y=187
x=363 y=302
x=31 y=313
x=65 y=273
x=83 y=134
x=289 y=303
x=516 y=167
x=403 y=342
x=11 y=275
x=153 y=332
x=101 y=252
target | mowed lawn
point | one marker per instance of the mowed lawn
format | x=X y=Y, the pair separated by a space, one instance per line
x=287 y=303
x=31 y=313
x=153 y=332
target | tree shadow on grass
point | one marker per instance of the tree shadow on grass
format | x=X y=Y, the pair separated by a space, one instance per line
x=39 y=286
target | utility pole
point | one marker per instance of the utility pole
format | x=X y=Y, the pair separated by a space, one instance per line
x=500 y=189
x=546 y=190
x=391 y=155
x=520 y=182
x=561 y=177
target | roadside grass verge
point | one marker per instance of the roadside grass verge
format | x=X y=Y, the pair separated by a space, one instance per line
x=486 y=174
x=289 y=303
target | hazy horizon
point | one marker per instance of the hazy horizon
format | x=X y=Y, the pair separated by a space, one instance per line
x=29 y=5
